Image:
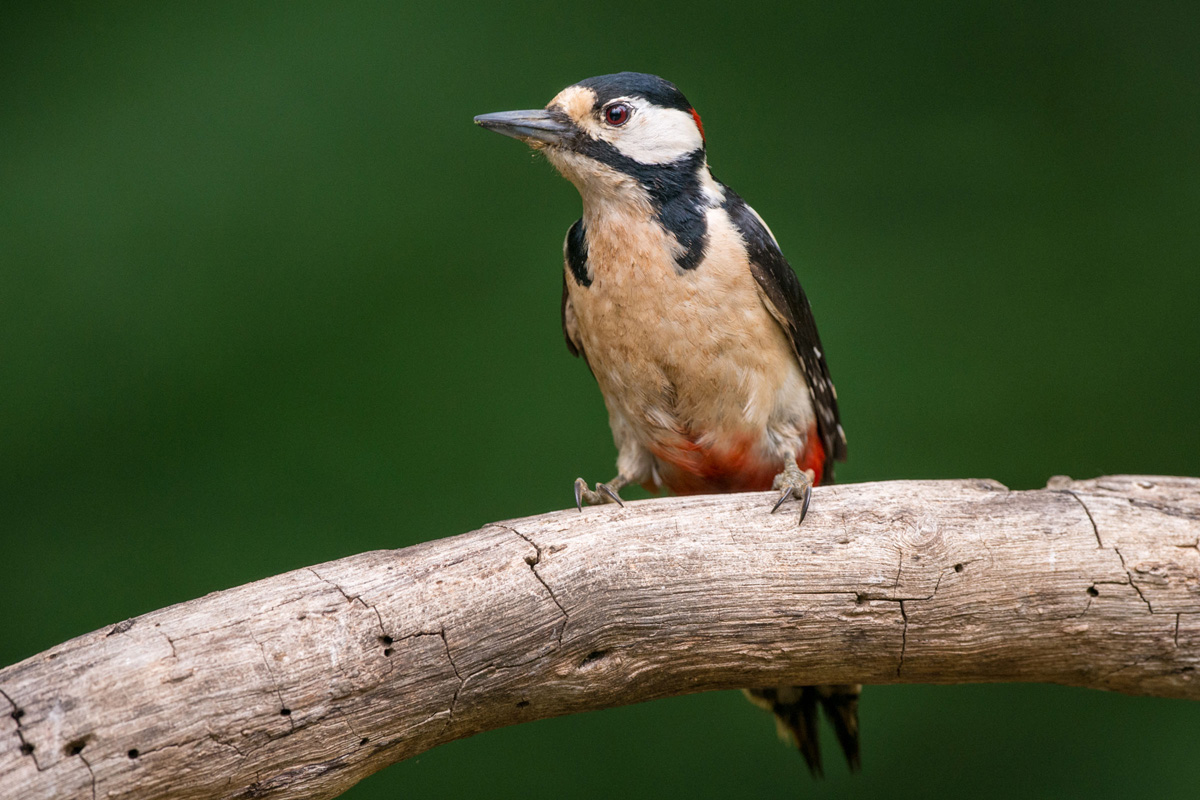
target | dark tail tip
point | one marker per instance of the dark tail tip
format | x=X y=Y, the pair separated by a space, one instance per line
x=840 y=703
x=795 y=710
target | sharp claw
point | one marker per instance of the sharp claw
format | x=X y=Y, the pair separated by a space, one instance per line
x=579 y=494
x=786 y=494
x=807 y=500
x=607 y=490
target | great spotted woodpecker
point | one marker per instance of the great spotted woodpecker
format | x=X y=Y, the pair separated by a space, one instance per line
x=678 y=298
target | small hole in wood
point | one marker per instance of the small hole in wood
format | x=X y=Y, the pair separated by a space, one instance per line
x=1093 y=591
x=386 y=639
x=523 y=704
x=76 y=747
x=592 y=658
x=387 y=651
x=363 y=741
x=531 y=560
x=285 y=712
x=20 y=712
x=26 y=749
x=133 y=753
x=958 y=567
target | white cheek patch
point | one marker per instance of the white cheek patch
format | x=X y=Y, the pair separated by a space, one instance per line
x=655 y=135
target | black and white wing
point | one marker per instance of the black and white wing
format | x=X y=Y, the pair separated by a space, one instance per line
x=786 y=301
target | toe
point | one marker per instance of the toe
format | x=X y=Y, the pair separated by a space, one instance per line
x=807 y=500
x=580 y=488
x=610 y=493
x=787 y=492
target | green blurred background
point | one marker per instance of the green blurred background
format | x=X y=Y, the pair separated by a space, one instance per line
x=268 y=298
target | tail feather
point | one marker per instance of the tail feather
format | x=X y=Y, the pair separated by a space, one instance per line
x=795 y=710
x=840 y=703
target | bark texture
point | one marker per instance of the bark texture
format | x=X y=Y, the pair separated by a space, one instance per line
x=299 y=685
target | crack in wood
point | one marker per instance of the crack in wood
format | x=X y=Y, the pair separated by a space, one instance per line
x=461 y=680
x=1165 y=508
x=26 y=747
x=91 y=772
x=1117 y=550
x=1091 y=519
x=274 y=681
x=892 y=598
x=1132 y=582
x=537 y=559
x=171 y=642
x=291 y=777
x=216 y=740
x=352 y=599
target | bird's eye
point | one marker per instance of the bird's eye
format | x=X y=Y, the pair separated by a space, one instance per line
x=616 y=114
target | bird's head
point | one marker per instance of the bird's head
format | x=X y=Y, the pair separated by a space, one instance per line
x=612 y=134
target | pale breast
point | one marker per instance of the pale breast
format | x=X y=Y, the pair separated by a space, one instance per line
x=691 y=352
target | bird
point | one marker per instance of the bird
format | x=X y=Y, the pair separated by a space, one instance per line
x=678 y=298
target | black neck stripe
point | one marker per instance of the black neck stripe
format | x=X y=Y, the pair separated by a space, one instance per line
x=674 y=189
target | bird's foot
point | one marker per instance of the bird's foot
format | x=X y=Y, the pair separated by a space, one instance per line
x=603 y=493
x=794 y=483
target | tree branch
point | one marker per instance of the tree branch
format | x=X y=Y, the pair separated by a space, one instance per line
x=300 y=685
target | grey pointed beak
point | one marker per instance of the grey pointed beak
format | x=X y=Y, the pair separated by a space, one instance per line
x=535 y=125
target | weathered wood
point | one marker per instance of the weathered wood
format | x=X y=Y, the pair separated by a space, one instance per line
x=302 y=684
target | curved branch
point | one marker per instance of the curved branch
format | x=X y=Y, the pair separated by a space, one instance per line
x=299 y=685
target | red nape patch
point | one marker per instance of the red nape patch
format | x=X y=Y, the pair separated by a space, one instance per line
x=699 y=124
